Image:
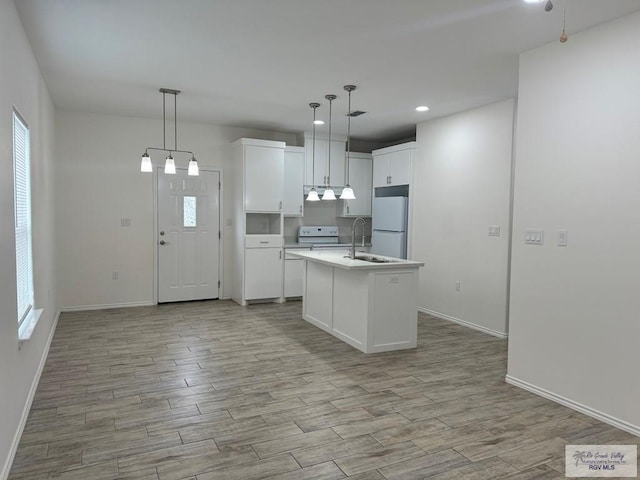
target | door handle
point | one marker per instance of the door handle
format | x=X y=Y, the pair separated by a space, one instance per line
x=280 y=254
x=162 y=242
x=300 y=208
x=280 y=204
x=162 y=233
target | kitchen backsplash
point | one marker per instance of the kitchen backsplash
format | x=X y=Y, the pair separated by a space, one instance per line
x=324 y=213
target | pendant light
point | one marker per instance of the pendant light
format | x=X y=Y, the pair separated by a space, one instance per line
x=328 y=193
x=169 y=163
x=313 y=194
x=563 y=36
x=347 y=191
x=145 y=165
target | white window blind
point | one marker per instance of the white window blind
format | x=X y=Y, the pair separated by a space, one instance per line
x=22 y=189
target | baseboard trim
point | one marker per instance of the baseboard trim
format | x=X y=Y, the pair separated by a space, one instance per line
x=4 y=473
x=474 y=326
x=80 y=308
x=567 y=402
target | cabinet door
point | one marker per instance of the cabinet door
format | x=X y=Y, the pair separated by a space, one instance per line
x=360 y=177
x=319 y=178
x=262 y=273
x=380 y=170
x=293 y=276
x=263 y=176
x=400 y=167
x=337 y=163
x=293 y=196
x=315 y=171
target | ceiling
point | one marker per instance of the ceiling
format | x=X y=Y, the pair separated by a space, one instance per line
x=258 y=63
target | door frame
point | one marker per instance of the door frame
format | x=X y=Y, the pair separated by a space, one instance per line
x=156 y=236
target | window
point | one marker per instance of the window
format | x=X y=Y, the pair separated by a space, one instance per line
x=189 y=209
x=22 y=192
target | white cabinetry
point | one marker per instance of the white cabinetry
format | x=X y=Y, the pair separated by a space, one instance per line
x=256 y=172
x=293 y=273
x=393 y=165
x=263 y=176
x=360 y=178
x=371 y=307
x=293 y=195
x=262 y=272
x=318 y=176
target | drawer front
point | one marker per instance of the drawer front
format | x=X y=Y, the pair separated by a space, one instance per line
x=262 y=241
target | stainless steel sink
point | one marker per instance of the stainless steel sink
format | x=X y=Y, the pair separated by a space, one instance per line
x=371 y=258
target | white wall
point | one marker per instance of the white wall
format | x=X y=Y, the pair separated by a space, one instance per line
x=574 y=317
x=22 y=86
x=98 y=182
x=462 y=185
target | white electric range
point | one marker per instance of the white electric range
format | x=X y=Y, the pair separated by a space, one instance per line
x=320 y=237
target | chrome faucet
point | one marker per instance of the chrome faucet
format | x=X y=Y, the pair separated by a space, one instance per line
x=352 y=255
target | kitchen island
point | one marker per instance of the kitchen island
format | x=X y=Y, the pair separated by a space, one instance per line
x=369 y=303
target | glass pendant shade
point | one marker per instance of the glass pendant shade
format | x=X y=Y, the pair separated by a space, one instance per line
x=329 y=195
x=169 y=165
x=193 y=167
x=347 y=193
x=313 y=196
x=145 y=164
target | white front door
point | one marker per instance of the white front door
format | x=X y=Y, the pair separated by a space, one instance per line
x=188 y=235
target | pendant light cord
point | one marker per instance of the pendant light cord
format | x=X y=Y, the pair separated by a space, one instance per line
x=313 y=147
x=164 y=124
x=348 y=139
x=175 y=121
x=328 y=183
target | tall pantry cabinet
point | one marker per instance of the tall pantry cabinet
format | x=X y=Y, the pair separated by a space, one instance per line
x=257 y=172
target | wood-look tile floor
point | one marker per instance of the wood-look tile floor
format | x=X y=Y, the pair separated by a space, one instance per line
x=211 y=390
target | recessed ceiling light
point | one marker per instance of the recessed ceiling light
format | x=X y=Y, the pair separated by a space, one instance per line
x=422 y=108
x=318 y=122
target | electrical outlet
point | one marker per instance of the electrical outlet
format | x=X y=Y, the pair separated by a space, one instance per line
x=457 y=285
x=115 y=276
x=534 y=237
x=125 y=222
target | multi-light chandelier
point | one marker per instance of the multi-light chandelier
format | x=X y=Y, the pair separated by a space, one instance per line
x=169 y=164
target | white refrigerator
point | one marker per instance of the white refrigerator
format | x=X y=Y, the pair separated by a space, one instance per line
x=389 y=236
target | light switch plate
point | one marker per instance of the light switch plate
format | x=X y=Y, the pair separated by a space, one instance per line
x=563 y=238
x=533 y=237
x=494 y=230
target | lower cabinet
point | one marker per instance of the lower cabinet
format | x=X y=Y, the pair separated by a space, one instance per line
x=293 y=274
x=262 y=273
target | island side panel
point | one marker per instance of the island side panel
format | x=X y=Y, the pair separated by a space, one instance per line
x=318 y=295
x=394 y=310
x=351 y=306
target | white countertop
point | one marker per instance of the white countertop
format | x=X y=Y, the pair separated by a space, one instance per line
x=337 y=259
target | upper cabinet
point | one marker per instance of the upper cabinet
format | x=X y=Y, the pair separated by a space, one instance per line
x=262 y=165
x=317 y=171
x=360 y=175
x=293 y=194
x=393 y=165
